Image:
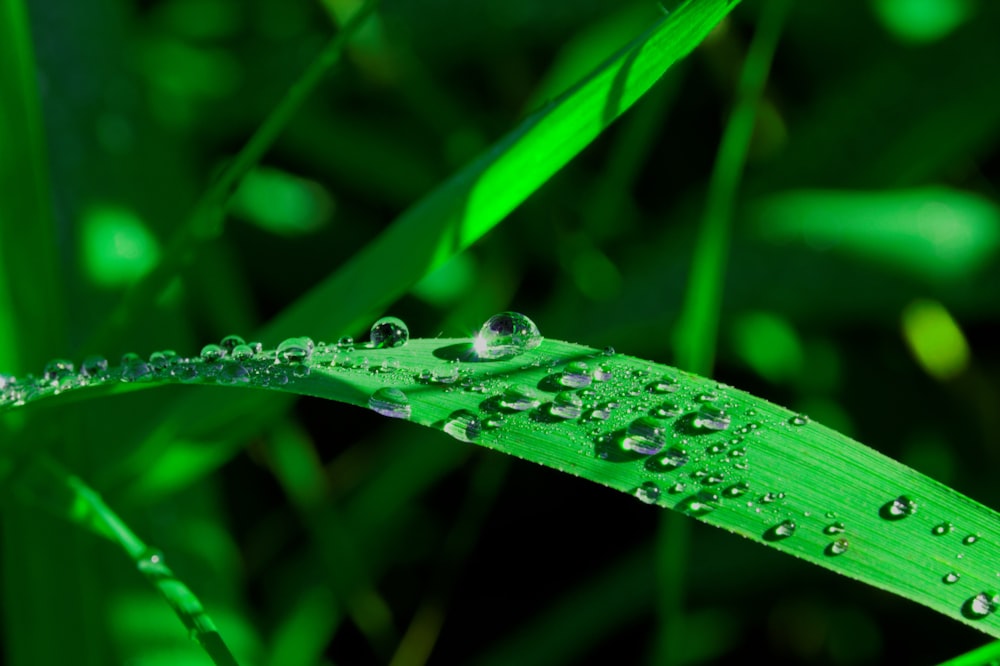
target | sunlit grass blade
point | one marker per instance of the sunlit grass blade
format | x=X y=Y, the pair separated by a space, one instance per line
x=42 y=481
x=670 y=438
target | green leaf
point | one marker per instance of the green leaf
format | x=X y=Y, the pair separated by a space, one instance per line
x=670 y=438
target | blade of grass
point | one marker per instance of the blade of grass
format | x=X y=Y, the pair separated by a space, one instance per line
x=45 y=482
x=698 y=325
x=725 y=457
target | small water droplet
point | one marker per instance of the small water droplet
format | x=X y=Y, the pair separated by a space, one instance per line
x=670 y=460
x=94 y=366
x=389 y=332
x=711 y=418
x=463 y=425
x=56 y=369
x=981 y=605
x=135 y=369
x=601 y=412
x=799 y=420
x=212 y=352
x=899 y=508
x=231 y=342
x=233 y=374
x=951 y=578
x=506 y=335
x=295 y=350
x=575 y=375
x=152 y=563
x=838 y=547
x=648 y=492
x=566 y=405
x=835 y=528
x=609 y=351
x=163 y=359
x=391 y=402
x=645 y=435
x=664 y=385
x=971 y=539
x=603 y=372
x=737 y=489
x=942 y=528
x=445 y=374
x=346 y=343
x=772 y=497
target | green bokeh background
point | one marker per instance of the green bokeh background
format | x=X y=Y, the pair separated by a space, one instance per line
x=327 y=533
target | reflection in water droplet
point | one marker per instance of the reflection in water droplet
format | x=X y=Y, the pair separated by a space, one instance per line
x=835 y=528
x=231 y=342
x=648 y=492
x=57 y=369
x=389 y=332
x=782 y=530
x=295 y=350
x=702 y=503
x=670 y=460
x=346 y=343
x=135 y=369
x=951 y=578
x=506 y=335
x=566 y=405
x=242 y=352
x=212 y=352
x=391 y=402
x=519 y=398
x=942 y=528
x=602 y=373
x=463 y=425
x=711 y=418
x=664 y=385
x=981 y=605
x=445 y=374
x=665 y=410
x=899 y=508
x=233 y=374
x=575 y=375
x=838 y=547
x=94 y=366
x=645 y=435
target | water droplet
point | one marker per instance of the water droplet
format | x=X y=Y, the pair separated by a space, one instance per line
x=519 y=398
x=899 y=508
x=838 y=547
x=135 y=369
x=389 y=332
x=737 y=489
x=231 y=342
x=94 y=366
x=187 y=373
x=678 y=487
x=390 y=402
x=942 y=528
x=665 y=410
x=346 y=342
x=506 y=335
x=711 y=418
x=951 y=578
x=609 y=351
x=835 y=528
x=702 y=503
x=463 y=425
x=603 y=373
x=648 y=492
x=161 y=360
x=782 y=530
x=212 y=352
x=981 y=605
x=152 y=563
x=670 y=460
x=575 y=375
x=233 y=374
x=664 y=385
x=772 y=497
x=566 y=405
x=242 y=352
x=799 y=420
x=445 y=374
x=971 y=539
x=645 y=435
x=57 y=369
x=295 y=350
x=601 y=412
x=707 y=397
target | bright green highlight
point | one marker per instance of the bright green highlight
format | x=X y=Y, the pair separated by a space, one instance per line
x=921 y=21
x=117 y=247
x=935 y=232
x=768 y=344
x=281 y=202
x=935 y=339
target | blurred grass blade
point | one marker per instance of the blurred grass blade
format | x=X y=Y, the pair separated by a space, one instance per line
x=987 y=655
x=710 y=451
x=43 y=482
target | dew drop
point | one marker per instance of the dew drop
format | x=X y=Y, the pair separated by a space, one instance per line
x=648 y=492
x=768 y=498
x=835 y=528
x=737 y=489
x=161 y=360
x=391 y=402
x=506 y=335
x=603 y=372
x=665 y=385
x=942 y=528
x=233 y=374
x=670 y=460
x=346 y=342
x=981 y=605
x=838 y=547
x=702 y=503
x=899 y=508
x=645 y=435
x=151 y=562
x=519 y=398
x=135 y=369
x=463 y=425
x=231 y=342
x=971 y=539
x=609 y=351
x=566 y=405
x=57 y=369
x=295 y=350
x=711 y=418
x=799 y=420
x=242 y=352
x=212 y=352
x=575 y=375
x=665 y=410
x=445 y=374
x=389 y=332
x=601 y=412
x=951 y=578
x=782 y=530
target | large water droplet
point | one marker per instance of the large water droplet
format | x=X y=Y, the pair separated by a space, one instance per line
x=212 y=352
x=782 y=530
x=519 y=398
x=463 y=425
x=670 y=460
x=648 y=492
x=709 y=417
x=899 y=508
x=981 y=605
x=391 y=402
x=231 y=342
x=242 y=352
x=664 y=385
x=57 y=369
x=665 y=410
x=575 y=375
x=295 y=350
x=94 y=366
x=506 y=335
x=566 y=405
x=838 y=547
x=645 y=435
x=135 y=369
x=389 y=332
x=233 y=374
x=702 y=503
